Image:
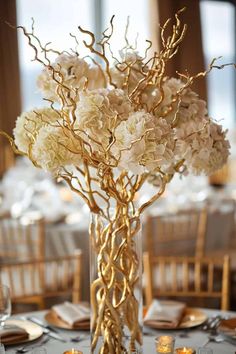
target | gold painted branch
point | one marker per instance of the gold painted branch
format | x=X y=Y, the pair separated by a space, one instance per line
x=115 y=308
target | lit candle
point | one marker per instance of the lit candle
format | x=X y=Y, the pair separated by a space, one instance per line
x=73 y=351
x=165 y=344
x=185 y=350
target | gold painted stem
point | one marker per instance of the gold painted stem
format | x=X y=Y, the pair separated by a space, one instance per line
x=115 y=308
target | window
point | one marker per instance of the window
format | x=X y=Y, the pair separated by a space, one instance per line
x=138 y=22
x=218 y=29
x=55 y=19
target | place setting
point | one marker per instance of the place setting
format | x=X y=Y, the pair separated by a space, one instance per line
x=176 y=321
x=33 y=332
x=15 y=331
x=66 y=316
x=167 y=314
x=69 y=316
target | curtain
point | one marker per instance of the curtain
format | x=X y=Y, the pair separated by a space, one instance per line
x=190 y=53
x=10 y=99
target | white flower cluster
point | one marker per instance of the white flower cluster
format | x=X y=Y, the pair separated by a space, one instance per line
x=53 y=149
x=40 y=134
x=29 y=124
x=169 y=124
x=143 y=143
x=75 y=73
x=132 y=63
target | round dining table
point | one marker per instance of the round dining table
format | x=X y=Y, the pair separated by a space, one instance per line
x=192 y=337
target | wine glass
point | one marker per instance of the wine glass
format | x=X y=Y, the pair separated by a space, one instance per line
x=5 y=304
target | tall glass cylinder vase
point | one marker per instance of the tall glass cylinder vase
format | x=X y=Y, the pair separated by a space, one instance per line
x=116 y=283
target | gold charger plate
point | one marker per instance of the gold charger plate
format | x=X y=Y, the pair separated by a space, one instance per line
x=34 y=331
x=192 y=318
x=52 y=318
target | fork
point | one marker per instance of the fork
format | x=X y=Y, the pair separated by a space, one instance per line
x=213 y=323
x=79 y=338
x=27 y=348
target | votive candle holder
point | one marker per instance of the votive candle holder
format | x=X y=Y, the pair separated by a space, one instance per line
x=165 y=344
x=185 y=350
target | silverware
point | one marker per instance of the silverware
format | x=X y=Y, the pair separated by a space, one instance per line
x=27 y=348
x=79 y=338
x=42 y=324
x=209 y=322
x=183 y=334
x=213 y=323
x=54 y=335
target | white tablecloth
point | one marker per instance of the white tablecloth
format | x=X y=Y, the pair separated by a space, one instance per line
x=195 y=338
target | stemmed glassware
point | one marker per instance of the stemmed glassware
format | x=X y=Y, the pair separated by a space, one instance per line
x=5 y=304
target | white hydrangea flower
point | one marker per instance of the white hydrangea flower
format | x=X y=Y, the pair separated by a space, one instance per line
x=29 y=123
x=120 y=103
x=203 y=146
x=185 y=107
x=142 y=143
x=132 y=61
x=98 y=113
x=75 y=72
x=53 y=149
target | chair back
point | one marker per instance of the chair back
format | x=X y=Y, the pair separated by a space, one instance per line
x=176 y=234
x=221 y=226
x=187 y=277
x=21 y=240
x=34 y=281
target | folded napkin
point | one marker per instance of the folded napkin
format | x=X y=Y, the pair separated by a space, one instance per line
x=228 y=327
x=12 y=334
x=73 y=314
x=164 y=314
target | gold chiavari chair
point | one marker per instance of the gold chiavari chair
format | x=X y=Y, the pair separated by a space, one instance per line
x=190 y=277
x=221 y=226
x=32 y=282
x=176 y=234
x=21 y=239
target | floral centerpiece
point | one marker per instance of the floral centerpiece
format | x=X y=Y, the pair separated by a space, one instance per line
x=110 y=126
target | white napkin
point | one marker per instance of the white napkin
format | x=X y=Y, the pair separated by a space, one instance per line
x=73 y=314
x=164 y=314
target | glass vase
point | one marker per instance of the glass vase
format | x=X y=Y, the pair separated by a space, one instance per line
x=116 y=283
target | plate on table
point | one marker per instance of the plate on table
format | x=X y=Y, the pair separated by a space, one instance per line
x=34 y=331
x=192 y=317
x=228 y=328
x=54 y=320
